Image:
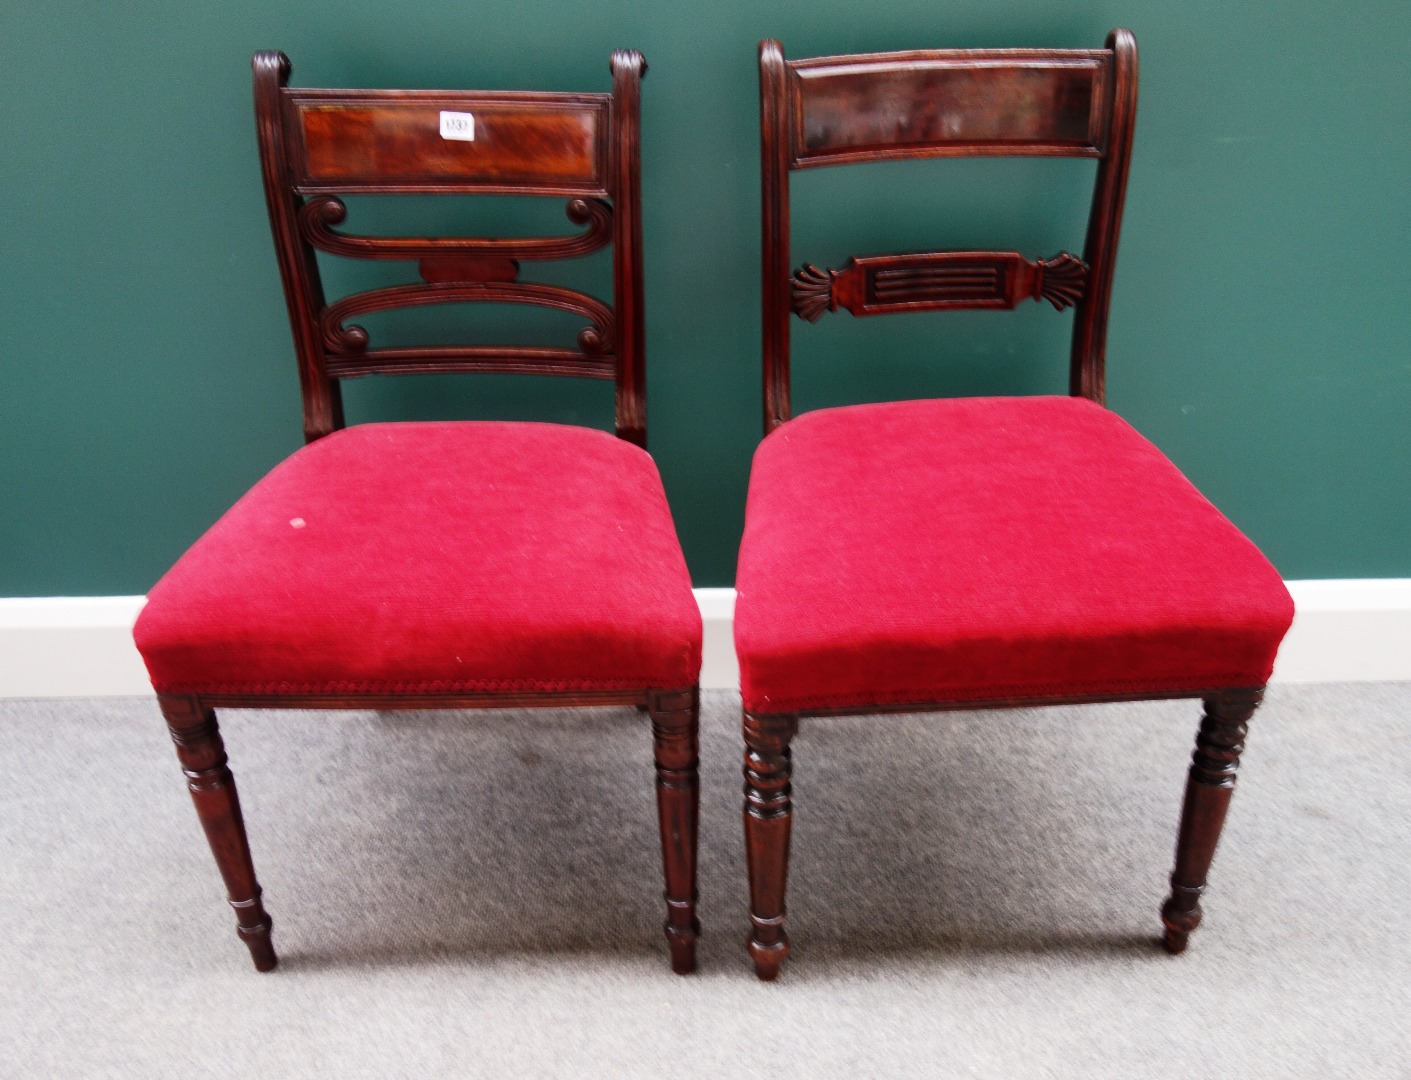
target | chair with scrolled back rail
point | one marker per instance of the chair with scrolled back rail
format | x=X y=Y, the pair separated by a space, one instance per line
x=442 y=565
x=975 y=552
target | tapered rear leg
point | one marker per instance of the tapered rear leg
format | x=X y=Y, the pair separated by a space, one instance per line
x=1212 y=782
x=202 y=756
x=675 y=737
x=768 y=820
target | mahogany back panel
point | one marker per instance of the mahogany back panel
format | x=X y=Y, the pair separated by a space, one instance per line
x=944 y=103
x=385 y=140
x=930 y=104
x=318 y=145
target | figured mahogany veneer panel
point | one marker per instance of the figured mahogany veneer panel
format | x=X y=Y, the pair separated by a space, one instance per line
x=552 y=144
x=935 y=104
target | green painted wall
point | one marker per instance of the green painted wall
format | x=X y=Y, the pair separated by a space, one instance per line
x=1260 y=323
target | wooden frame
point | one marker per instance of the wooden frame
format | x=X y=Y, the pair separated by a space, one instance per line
x=1026 y=102
x=318 y=145
x=955 y=103
x=602 y=179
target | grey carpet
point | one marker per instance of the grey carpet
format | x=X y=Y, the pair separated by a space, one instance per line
x=477 y=895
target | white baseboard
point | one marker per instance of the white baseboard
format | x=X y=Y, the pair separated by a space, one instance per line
x=70 y=646
x=1351 y=630
x=77 y=646
x=719 y=671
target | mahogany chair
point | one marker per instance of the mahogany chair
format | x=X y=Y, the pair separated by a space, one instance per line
x=449 y=565
x=979 y=552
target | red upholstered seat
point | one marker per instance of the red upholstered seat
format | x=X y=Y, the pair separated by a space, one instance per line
x=988 y=548
x=434 y=557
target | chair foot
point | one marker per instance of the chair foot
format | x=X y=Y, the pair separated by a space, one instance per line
x=682 y=944
x=257 y=940
x=768 y=958
x=1212 y=781
x=1180 y=915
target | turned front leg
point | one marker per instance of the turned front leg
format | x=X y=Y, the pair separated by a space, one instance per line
x=202 y=756
x=768 y=819
x=1212 y=782
x=675 y=727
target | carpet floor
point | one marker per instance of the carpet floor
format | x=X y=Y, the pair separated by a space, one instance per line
x=477 y=895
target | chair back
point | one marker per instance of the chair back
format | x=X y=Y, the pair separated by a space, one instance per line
x=317 y=146
x=839 y=110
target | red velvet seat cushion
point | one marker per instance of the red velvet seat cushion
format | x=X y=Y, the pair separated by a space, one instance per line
x=983 y=548
x=434 y=557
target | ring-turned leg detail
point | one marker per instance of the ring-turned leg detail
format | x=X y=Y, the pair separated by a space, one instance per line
x=768 y=820
x=1212 y=782
x=675 y=736
x=202 y=755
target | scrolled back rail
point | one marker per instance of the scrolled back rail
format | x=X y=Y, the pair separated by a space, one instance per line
x=594 y=340
x=319 y=214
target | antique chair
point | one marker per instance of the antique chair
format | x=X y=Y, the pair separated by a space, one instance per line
x=447 y=565
x=979 y=552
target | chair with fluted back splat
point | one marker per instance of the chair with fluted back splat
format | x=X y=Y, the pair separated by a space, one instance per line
x=445 y=565
x=978 y=552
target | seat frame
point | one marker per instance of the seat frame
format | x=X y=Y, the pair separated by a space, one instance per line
x=813 y=113
x=605 y=195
